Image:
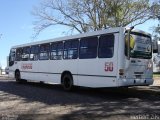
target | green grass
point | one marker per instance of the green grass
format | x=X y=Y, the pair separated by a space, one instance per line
x=156 y=75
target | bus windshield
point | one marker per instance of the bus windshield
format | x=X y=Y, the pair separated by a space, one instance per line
x=12 y=57
x=140 y=46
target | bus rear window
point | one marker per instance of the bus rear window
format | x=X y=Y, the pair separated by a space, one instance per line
x=140 y=46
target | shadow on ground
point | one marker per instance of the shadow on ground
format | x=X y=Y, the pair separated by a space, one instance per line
x=88 y=103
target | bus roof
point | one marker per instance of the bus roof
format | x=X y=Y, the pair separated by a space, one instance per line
x=109 y=30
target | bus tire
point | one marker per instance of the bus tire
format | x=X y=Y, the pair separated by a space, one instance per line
x=18 y=76
x=67 y=82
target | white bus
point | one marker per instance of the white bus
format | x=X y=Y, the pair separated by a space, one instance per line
x=108 y=58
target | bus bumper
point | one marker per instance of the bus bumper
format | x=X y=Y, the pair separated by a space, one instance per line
x=135 y=82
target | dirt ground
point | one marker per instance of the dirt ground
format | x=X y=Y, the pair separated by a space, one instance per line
x=156 y=81
x=35 y=101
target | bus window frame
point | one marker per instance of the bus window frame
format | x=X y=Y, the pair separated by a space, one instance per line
x=73 y=45
x=46 y=51
x=24 y=53
x=88 y=42
x=20 y=54
x=34 y=53
x=108 y=47
x=58 y=48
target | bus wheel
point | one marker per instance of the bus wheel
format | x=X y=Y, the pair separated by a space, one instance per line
x=67 y=82
x=18 y=76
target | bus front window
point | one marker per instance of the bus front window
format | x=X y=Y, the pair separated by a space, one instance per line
x=140 y=46
x=12 y=57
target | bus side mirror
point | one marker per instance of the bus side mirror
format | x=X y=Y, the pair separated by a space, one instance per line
x=128 y=45
x=155 y=46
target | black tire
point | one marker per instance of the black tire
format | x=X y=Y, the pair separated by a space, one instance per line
x=67 y=82
x=18 y=76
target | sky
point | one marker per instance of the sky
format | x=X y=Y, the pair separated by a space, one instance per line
x=16 y=26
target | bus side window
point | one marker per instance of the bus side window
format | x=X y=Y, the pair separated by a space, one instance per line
x=56 y=51
x=19 y=54
x=106 y=46
x=44 y=51
x=34 y=53
x=26 y=53
x=88 y=47
x=70 y=49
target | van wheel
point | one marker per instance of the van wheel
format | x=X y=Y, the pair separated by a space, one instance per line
x=18 y=76
x=67 y=82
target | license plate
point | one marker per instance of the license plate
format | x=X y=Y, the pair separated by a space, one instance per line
x=138 y=76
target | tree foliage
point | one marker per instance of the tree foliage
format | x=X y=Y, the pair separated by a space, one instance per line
x=91 y=15
x=156 y=14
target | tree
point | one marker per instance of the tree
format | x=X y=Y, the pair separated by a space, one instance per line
x=156 y=14
x=91 y=15
x=157 y=31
